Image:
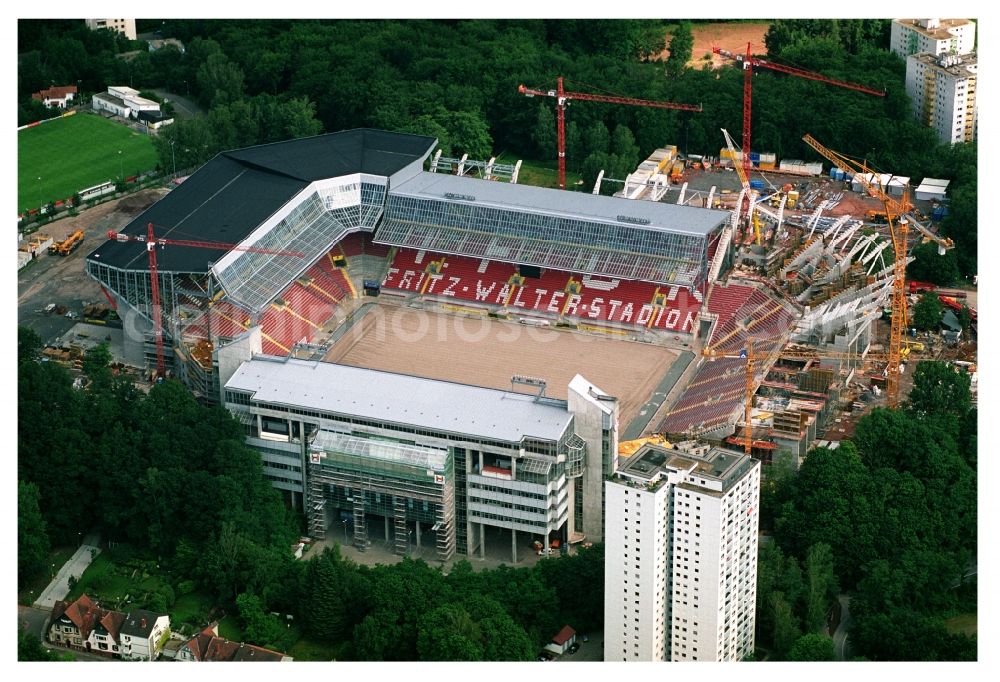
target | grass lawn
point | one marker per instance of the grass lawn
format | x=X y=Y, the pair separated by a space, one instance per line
x=192 y=608
x=309 y=650
x=76 y=152
x=110 y=584
x=965 y=623
x=540 y=173
x=229 y=628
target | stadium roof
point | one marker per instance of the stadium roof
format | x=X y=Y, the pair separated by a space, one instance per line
x=234 y=193
x=401 y=399
x=556 y=202
x=547 y=228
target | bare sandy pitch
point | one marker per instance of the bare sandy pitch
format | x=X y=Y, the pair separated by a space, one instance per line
x=732 y=36
x=487 y=352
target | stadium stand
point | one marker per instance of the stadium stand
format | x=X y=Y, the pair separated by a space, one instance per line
x=717 y=389
x=583 y=297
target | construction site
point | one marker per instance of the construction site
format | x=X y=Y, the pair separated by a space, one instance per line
x=730 y=297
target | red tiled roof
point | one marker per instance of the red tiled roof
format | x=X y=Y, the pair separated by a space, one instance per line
x=55 y=92
x=564 y=635
x=208 y=646
x=85 y=614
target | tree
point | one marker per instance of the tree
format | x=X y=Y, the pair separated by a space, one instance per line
x=449 y=633
x=96 y=364
x=596 y=138
x=29 y=345
x=927 y=312
x=786 y=628
x=32 y=537
x=928 y=266
x=544 y=133
x=821 y=585
x=623 y=145
x=681 y=44
x=812 y=647
x=29 y=648
x=939 y=389
x=260 y=627
x=220 y=80
x=325 y=609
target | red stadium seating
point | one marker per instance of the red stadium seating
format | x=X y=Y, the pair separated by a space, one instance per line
x=717 y=390
x=360 y=243
x=582 y=297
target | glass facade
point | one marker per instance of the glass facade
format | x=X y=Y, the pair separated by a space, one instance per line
x=560 y=242
x=312 y=227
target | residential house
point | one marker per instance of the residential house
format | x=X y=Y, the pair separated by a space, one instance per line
x=563 y=640
x=58 y=96
x=84 y=625
x=208 y=646
x=143 y=635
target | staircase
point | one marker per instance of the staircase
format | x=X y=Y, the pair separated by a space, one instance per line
x=360 y=530
x=399 y=515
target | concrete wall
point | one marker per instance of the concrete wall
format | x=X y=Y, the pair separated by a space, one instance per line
x=635 y=575
x=229 y=358
x=591 y=415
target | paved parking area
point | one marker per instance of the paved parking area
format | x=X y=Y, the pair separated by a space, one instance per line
x=589 y=652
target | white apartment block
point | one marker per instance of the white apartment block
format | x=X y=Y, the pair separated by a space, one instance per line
x=681 y=556
x=126 y=26
x=942 y=89
x=934 y=36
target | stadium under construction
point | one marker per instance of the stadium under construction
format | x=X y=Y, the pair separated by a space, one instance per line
x=313 y=233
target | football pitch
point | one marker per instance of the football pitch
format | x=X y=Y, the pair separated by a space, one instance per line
x=76 y=152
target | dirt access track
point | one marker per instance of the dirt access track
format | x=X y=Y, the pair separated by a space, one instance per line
x=732 y=36
x=485 y=352
x=63 y=279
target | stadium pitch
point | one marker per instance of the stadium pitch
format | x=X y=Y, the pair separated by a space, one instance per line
x=76 y=152
x=487 y=352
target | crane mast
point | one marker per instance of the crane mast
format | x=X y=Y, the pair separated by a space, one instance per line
x=151 y=241
x=748 y=62
x=562 y=98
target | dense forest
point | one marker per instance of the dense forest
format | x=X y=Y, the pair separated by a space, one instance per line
x=889 y=518
x=170 y=481
x=267 y=80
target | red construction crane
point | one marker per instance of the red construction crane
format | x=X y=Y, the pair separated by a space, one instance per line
x=154 y=280
x=562 y=99
x=748 y=61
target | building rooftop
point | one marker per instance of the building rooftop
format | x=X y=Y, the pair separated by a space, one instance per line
x=234 y=193
x=639 y=215
x=651 y=461
x=939 y=32
x=429 y=404
x=960 y=66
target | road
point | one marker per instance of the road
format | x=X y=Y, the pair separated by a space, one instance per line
x=840 y=645
x=59 y=587
x=183 y=106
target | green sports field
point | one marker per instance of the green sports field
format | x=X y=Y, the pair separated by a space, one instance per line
x=72 y=153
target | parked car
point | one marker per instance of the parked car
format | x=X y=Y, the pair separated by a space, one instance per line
x=574 y=647
x=586 y=638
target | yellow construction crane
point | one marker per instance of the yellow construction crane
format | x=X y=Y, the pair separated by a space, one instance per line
x=893 y=208
x=754 y=358
x=899 y=245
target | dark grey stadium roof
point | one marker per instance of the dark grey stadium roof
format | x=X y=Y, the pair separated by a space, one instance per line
x=372 y=394
x=231 y=195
